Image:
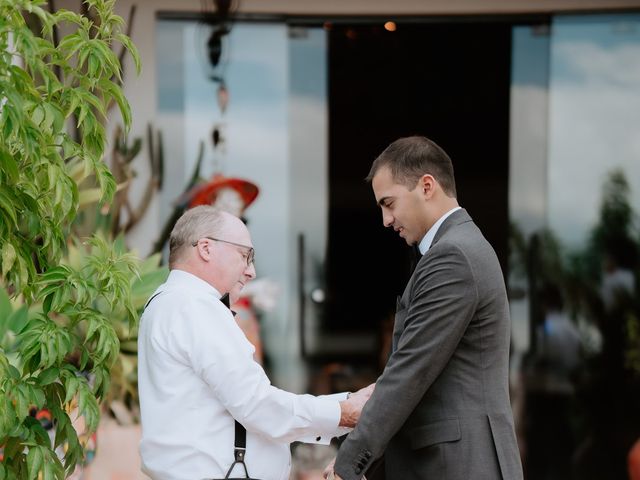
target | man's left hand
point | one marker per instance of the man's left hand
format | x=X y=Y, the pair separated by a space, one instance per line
x=328 y=473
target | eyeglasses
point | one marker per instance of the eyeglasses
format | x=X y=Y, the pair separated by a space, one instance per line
x=251 y=254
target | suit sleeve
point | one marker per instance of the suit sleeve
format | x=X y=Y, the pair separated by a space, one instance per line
x=442 y=300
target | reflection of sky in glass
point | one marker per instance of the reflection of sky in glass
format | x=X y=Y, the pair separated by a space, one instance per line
x=594 y=117
x=530 y=62
x=169 y=66
x=528 y=124
x=255 y=121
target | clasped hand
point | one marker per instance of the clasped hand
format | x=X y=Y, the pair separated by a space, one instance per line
x=350 y=410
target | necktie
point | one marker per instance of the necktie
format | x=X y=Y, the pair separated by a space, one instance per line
x=414 y=257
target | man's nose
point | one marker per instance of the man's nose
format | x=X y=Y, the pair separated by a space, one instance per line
x=387 y=219
x=250 y=271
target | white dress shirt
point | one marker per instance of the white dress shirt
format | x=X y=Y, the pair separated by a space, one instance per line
x=427 y=240
x=196 y=374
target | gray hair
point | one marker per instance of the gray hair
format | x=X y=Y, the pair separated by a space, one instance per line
x=194 y=224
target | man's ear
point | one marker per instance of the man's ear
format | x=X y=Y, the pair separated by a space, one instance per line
x=428 y=185
x=204 y=251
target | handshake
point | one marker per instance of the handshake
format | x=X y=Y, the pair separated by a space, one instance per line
x=350 y=410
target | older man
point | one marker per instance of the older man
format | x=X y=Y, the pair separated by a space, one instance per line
x=197 y=376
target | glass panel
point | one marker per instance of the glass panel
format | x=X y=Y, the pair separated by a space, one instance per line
x=594 y=117
x=274 y=134
x=528 y=159
x=309 y=175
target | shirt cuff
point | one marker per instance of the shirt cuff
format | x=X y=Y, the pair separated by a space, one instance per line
x=326 y=420
x=327 y=415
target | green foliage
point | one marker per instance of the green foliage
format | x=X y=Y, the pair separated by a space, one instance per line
x=66 y=324
x=616 y=213
x=38 y=198
x=613 y=245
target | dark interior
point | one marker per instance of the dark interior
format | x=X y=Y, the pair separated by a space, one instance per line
x=447 y=81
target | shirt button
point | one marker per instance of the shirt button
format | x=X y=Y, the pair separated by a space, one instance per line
x=358 y=470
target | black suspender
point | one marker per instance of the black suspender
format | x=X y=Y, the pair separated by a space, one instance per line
x=240 y=443
x=239 y=450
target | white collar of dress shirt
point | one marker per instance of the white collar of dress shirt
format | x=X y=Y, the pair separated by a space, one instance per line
x=427 y=240
x=183 y=277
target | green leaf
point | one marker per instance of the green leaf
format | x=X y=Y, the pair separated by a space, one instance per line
x=14 y=373
x=45 y=18
x=22 y=400
x=35 y=461
x=37 y=395
x=7 y=203
x=5 y=310
x=48 y=376
x=7 y=415
x=71 y=385
x=123 y=105
x=38 y=116
x=56 y=274
x=9 y=166
x=46 y=305
x=8 y=258
x=94 y=65
x=128 y=44
x=18 y=319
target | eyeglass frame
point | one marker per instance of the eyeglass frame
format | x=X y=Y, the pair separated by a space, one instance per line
x=251 y=256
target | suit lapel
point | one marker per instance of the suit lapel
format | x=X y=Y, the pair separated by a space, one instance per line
x=403 y=302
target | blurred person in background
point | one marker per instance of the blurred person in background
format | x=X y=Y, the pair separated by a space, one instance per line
x=550 y=395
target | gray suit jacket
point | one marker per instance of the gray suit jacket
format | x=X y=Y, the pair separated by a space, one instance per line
x=441 y=407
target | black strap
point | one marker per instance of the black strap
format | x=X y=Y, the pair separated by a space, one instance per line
x=239 y=450
x=149 y=301
x=240 y=443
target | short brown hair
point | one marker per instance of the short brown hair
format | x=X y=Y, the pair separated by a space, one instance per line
x=194 y=224
x=410 y=158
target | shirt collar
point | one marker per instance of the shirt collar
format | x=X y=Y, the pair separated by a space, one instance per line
x=185 y=278
x=427 y=240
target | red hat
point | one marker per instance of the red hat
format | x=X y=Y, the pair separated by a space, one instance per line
x=206 y=193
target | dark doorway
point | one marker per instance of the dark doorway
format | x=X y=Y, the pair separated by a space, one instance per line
x=447 y=81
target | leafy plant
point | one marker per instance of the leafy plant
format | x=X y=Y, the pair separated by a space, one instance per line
x=70 y=327
x=123 y=374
